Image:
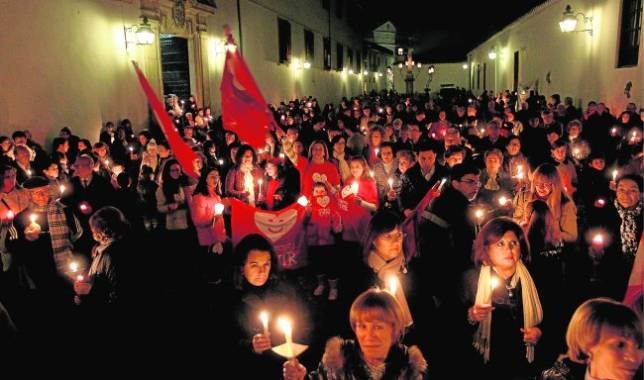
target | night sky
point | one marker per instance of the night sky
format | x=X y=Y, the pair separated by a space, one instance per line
x=445 y=34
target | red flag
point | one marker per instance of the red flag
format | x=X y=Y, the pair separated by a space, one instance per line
x=282 y=228
x=243 y=108
x=410 y=224
x=182 y=151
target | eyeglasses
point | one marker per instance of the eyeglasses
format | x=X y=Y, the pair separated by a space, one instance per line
x=471 y=182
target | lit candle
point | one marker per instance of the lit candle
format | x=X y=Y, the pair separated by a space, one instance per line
x=282 y=156
x=615 y=172
x=73 y=266
x=219 y=208
x=80 y=277
x=598 y=240
x=10 y=215
x=371 y=173
x=377 y=150
x=390 y=181
x=302 y=201
x=494 y=282
x=28 y=172
x=259 y=182
x=286 y=327
x=131 y=149
x=355 y=188
x=613 y=131
x=33 y=227
x=392 y=284
x=519 y=172
x=62 y=189
x=32 y=218
x=221 y=162
x=503 y=200
x=84 y=207
x=600 y=202
x=263 y=316
x=482 y=130
x=479 y=215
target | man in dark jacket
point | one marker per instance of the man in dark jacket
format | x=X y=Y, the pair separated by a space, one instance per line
x=421 y=177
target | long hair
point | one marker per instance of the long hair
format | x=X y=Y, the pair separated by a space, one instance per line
x=363 y=163
x=542 y=229
x=491 y=233
x=249 y=243
x=382 y=222
x=326 y=149
x=558 y=195
x=169 y=185
x=202 y=185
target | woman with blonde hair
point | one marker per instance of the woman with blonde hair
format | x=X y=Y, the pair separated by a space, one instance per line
x=604 y=340
x=377 y=321
x=547 y=186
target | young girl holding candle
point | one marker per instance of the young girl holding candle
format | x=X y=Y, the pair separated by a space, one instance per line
x=323 y=222
x=357 y=200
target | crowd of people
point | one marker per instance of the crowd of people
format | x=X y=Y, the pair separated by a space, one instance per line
x=474 y=223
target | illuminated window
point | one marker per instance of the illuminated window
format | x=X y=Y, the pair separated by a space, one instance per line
x=629 y=43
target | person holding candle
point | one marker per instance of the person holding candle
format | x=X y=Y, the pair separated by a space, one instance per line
x=357 y=201
x=377 y=352
x=604 y=340
x=506 y=319
x=515 y=163
x=104 y=161
x=373 y=149
x=242 y=181
x=281 y=186
x=341 y=157
x=623 y=222
x=421 y=177
x=565 y=166
x=257 y=288
x=384 y=170
x=323 y=226
x=41 y=240
x=88 y=192
x=207 y=216
x=495 y=182
x=107 y=292
x=547 y=186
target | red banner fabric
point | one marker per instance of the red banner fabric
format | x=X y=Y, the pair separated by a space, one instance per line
x=243 y=108
x=282 y=228
x=410 y=224
x=182 y=151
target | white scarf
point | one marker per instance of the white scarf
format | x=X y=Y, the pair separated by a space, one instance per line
x=385 y=269
x=532 y=312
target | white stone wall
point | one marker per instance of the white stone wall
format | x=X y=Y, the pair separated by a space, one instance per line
x=576 y=64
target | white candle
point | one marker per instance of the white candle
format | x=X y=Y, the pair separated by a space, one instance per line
x=286 y=327
x=62 y=189
x=392 y=284
x=355 y=187
x=259 y=182
x=371 y=173
x=615 y=172
x=377 y=150
x=302 y=201
x=263 y=316
x=390 y=181
x=494 y=282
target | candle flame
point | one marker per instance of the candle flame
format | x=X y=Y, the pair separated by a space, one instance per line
x=615 y=173
x=263 y=316
x=478 y=213
x=73 y=266
x=494 y=282
x=390 y=181
x=503 y=200
x=80 y=277
x=221 y=162
x=598 y=239
x=285 y=325
x=62 y=189
x=33 y=218
x=354 y=187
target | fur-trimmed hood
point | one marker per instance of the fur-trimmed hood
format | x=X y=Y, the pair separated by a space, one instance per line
x=343 y=360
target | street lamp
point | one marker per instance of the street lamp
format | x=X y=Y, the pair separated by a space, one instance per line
x=412 y=68
x=568 y=21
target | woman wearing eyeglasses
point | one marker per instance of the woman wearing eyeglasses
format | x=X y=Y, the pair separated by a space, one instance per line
x=547 y=186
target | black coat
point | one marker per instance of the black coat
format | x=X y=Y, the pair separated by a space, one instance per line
x=415 y=186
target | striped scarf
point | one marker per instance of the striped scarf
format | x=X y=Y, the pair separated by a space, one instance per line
x=532 y=312
x=628 y=227
x=60 y=234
